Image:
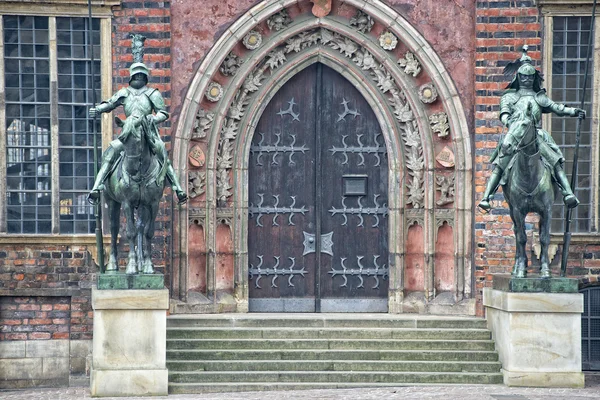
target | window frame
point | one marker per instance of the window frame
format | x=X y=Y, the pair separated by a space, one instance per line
x=575 y=8
x=73 y=8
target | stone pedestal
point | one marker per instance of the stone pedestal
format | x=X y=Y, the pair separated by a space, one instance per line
x=129 y=346
x=538 y=337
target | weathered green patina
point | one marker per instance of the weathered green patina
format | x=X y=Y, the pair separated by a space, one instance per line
x=134 y=167
x=119 y=280
x=527 y=161
x=534 y=284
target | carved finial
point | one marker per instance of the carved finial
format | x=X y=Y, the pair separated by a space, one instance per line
x=137 y=47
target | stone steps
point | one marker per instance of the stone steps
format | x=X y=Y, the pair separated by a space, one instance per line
x=355 y=354
x=236 y=352
x=326 y=333
x=334 y=365
x=329 y=344
x=218 y=387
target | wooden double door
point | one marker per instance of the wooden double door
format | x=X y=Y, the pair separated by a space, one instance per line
x=318 y=186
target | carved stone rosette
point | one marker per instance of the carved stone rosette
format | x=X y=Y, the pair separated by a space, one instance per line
x=214 y=92
x=428 y=93
x=252 y=40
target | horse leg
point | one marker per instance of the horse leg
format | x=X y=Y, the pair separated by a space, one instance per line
x=114 y=210
x=131 y=231
x=143 y=216
x=149 y=234
x=520 y=270
x=544 y=243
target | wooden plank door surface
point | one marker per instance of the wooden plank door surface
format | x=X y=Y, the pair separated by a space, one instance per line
x=318 y=200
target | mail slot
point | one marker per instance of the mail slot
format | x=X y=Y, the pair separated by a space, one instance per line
x=355 y=185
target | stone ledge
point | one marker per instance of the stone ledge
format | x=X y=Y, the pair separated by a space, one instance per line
x=12 y=349
x=544 y=379
x=147 y=382
x=130 y=299
x=533 y=302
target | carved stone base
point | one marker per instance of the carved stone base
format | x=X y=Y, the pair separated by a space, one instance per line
x=538 y=337
x=129 y=345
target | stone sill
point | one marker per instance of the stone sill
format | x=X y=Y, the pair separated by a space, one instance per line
x=41 y=292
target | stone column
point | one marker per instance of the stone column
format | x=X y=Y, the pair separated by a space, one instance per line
x=129 y=345
x=538 y=336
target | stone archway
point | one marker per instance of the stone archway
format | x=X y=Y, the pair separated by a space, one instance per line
x=414 y=100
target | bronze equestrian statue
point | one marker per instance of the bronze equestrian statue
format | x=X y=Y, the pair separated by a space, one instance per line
x=527 y=161
x=135 y=165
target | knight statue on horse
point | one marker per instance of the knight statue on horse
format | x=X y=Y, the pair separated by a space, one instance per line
x=135 y=165
x=527 y=162
x=523 y=90
x=138 y=101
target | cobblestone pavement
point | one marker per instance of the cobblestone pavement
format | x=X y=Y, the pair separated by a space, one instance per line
x=433 y=392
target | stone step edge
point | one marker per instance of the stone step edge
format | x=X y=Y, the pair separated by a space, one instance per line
x=325 y=316
x=329 y=350
x=317 y=328
x=320 y=340
x=332 y=361
x=265 y=386
x=391 y=373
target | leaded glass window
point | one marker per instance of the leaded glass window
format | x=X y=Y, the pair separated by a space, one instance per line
x=30 y=57
x=571 y=36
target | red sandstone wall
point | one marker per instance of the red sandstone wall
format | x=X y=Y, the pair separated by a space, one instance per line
x=449 y=26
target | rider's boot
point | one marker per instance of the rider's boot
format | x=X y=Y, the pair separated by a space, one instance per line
x=568 y=196
x=172 y=177
x=490 y=189
x=107 y=161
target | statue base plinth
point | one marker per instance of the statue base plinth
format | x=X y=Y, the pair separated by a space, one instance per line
x=537 y=335
x=129 y=344
x=535 y=284
x=120 y=281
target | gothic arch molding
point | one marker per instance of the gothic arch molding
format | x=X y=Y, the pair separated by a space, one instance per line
x=215 y=208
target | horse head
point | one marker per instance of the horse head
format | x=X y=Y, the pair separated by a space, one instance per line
x=522 y=129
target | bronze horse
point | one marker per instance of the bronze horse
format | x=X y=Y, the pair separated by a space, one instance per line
x=528 y=188
x=137 y=182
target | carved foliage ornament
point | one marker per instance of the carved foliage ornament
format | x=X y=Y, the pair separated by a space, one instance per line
x=410 y=64
x=196 y=183
x=439 y=124
x=362 y=22
x=363 y=59
x=202 y=124
x=279 y=21
x=445 y=185
x=231 y=65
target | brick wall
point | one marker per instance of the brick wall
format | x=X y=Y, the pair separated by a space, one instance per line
x=46 y=318
x=503 y=27
x=45 y=292
x=153 y=20
x=23 y=318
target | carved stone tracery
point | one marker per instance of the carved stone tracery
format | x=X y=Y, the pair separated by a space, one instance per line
x=382 y=78
x=235 y=104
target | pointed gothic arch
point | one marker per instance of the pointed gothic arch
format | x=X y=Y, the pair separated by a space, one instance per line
x=226 y=99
